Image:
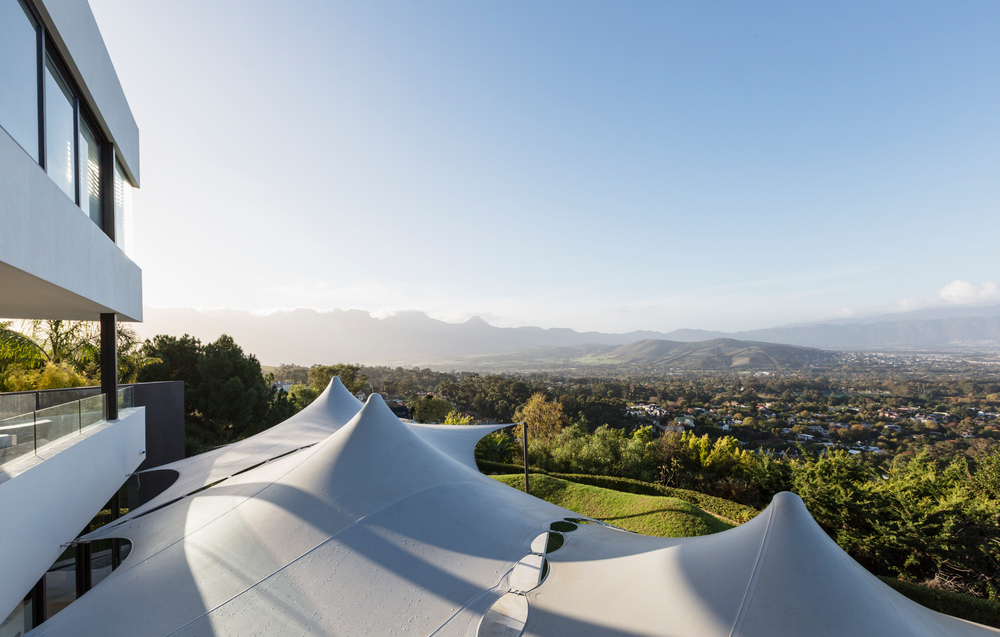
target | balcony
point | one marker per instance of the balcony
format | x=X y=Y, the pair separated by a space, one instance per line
x=39 y=432
x=61 y=464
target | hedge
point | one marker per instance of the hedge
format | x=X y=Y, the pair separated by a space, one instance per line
x=967 y=607
x=500 y=468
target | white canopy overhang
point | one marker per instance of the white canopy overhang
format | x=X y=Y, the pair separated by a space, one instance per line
x=384 y=528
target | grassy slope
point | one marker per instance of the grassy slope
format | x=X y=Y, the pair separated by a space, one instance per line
x=646 y=514
x=726 y=509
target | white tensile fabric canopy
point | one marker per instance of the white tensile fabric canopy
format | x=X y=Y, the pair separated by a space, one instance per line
x=386 y=528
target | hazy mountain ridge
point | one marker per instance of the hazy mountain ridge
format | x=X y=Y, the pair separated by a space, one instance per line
x=942 y=333
x=307 y=336
x=720 y=353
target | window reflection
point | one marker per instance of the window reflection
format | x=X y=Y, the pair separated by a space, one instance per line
x=60 y=131
x=19 y=75
x=90 y=174
x=50 y=122
x=123 y=207
x=60 y=583
x=19 y=620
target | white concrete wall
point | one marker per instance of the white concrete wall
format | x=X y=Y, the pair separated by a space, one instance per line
x=74 y=30
x=47 y=505
x=54 y=261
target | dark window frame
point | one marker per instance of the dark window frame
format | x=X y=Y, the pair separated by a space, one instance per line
x=64 y=78
x=101 y=142
x=44 y=45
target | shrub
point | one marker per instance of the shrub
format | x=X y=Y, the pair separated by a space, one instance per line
x=967 y=607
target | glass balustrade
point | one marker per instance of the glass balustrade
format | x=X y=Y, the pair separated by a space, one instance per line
x=27 y=434
x=92 y=411
x=125 y=398
x=56 y=422
x=17 y=438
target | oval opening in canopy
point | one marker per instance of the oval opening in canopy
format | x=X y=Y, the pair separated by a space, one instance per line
x=547 y=542
x=505 y=618
x=562 y=526
x=527 y=573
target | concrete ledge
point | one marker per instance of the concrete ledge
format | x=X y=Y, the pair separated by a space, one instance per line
x=48 y=499
x=54 y=261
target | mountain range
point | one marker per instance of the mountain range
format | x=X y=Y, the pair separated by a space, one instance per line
x=306 y=336
x=715 y=354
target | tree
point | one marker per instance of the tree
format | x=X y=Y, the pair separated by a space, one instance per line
x=497 y=447
x=302 y=396
x=350 y=375
x=132 y=356
x=51 y=376
x=836 y=488
x=544 y=418
x=675 y=459
x=55 y=353
x=987 y=477
x=430 y=409
x=318 y=377
x=226 y=396
x=175 y=359
x=38 y=343
x=455 y=418
x=233 y=395
x=295 y=374
x=17 y=349
x=489 y=396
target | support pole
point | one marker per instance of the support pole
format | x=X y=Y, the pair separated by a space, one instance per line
x=524 y=448
x=84 y=574
x=116 y=544
x=38 y=603
x=109 y=363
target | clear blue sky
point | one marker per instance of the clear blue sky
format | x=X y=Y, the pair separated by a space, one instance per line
x=608 y=166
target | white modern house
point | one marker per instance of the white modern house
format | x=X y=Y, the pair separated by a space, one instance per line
x=343 y=520
x=69 y=157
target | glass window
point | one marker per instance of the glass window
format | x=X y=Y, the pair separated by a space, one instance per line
x=19 y=75
x=60 y=133
x=19 y=620
x=123 y=208
x=60 y=583
x=90 y=174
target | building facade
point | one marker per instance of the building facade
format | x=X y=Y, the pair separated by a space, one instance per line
x=69 y=158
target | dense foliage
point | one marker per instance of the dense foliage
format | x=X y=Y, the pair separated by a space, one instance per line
x=226 y=397
x=400 y=381
x=430 y=409
x=317 y=377
x=917 y=518
x=913 y=516
x=53 y=354
x=494 y=397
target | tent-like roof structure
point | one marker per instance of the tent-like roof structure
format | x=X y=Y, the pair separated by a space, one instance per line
x=386 y=528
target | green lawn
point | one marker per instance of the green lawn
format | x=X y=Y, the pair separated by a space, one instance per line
x=646 y=514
